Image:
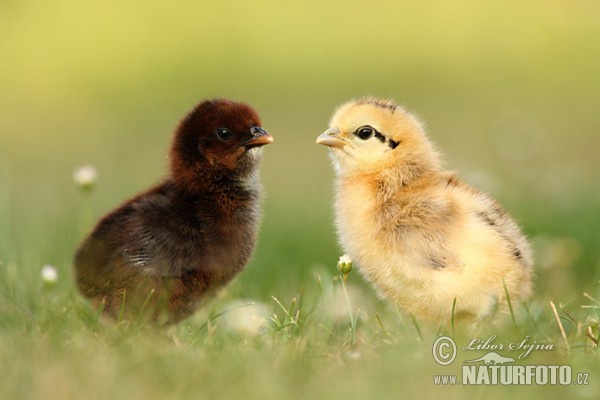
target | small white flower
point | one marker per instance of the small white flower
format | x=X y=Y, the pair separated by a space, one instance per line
x=345 y=259
x=353 y=355
x=246 y=317
x=49 y=274
x=344 y=264
x=85 y=176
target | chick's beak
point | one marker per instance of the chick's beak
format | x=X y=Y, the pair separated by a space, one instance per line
x=329 y=138
x=260 y=138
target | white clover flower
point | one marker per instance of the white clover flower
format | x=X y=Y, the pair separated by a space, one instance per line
x=246 y=317
x=85 y=176
x=49 y=274
x=345 y=259
x=353 y=355
x=344 y=264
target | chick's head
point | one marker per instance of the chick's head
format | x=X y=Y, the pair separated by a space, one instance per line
x=372 y=135
x=218 y=135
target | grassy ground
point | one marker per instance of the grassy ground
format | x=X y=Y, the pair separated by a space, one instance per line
x=508 y=93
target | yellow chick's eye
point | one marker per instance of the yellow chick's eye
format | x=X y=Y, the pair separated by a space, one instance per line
x=365 y=132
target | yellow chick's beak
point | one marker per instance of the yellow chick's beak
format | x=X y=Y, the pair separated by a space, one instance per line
x=328 y=138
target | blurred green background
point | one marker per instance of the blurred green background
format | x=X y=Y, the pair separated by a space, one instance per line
x=509 y=91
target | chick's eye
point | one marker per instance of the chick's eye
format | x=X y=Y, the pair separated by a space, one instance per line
x=224 y=134
x=365 y=132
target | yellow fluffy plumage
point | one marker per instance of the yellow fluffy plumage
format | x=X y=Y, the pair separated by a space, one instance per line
x=420 y=235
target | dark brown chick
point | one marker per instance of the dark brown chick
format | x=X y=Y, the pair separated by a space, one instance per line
x=157 y=256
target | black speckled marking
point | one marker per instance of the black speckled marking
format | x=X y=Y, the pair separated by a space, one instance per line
x=379 y=136
x=383 y=139
x=436 y=263
x=517 y=254
x=393 y=144
x=386 y=105
x=486 y=218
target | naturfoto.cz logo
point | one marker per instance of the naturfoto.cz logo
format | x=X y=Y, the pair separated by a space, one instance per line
x=493 y=368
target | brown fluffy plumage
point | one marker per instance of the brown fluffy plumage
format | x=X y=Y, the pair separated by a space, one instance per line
x=424 y=238
x=159 y=254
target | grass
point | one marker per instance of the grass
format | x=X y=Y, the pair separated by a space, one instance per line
x=324 y=337
x=508 y=93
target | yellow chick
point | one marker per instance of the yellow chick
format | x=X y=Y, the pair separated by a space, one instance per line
x=425 y=239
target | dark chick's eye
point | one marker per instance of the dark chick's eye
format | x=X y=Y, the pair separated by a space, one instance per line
x=224 y=134
x=365 y=132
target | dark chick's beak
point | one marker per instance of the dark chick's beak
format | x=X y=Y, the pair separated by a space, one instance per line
x=329 y=138
x=260 y=137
